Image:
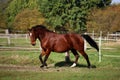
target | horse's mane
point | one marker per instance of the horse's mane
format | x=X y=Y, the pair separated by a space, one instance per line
x=39 y=26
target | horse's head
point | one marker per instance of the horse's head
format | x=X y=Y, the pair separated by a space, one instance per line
x=37 y=31
x=33 y=36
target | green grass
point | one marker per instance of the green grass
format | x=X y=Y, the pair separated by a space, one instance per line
x=108 y=69
x=69 y=74
x=18 y=42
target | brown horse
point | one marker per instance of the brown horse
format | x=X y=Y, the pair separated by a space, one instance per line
x=51 y=41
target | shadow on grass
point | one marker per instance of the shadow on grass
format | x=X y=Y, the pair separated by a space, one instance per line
x=68 y=64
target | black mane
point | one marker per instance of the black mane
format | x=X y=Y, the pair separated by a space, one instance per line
x=39 y=26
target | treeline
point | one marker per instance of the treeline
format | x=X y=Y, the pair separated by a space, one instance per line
x=74 y=15
x=106 y=20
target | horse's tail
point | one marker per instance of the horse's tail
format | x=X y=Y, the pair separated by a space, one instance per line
x=91 y=41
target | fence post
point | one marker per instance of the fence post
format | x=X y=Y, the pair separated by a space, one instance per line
x=93 y=34
x=15 y=36
x=8 y=38
x=100 y=39
x=107 y=37
x=6 y=31
x=116 y=36
x=26 y=36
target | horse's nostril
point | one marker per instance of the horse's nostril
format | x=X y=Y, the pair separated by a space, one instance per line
x=33 y=44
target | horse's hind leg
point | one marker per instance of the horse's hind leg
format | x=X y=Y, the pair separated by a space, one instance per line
x=76 y=57
x=86 y=57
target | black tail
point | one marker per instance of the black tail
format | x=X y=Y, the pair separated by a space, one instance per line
x=91 y=41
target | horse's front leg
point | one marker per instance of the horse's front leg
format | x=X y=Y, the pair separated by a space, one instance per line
x=41 y=60
x=46 y=57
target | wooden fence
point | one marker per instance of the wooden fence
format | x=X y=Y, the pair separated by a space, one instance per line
x=99 y=39
x=15 y=36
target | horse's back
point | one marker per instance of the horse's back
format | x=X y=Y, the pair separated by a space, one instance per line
x=64 y=42
x=73 y=41
x=77 y=41
x=58 y=43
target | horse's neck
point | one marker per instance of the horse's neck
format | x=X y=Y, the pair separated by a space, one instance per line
x=43 y=35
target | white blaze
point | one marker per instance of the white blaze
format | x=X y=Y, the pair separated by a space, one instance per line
x=30 y=34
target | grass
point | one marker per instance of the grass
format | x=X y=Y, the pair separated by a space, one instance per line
x=108 y=69
x=69 y=74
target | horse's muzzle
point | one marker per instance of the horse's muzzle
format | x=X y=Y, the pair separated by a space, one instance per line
x=33 y=43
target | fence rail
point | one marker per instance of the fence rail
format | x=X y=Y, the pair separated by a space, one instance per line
x=110 y=37
x=99 y=39
x=13 y=36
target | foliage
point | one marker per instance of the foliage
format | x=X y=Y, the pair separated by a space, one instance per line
x=27 y=18
x=16 y=6
x=103 y=3
x=3 y=5
x=70 y=13
x=2 y=20
x=106 y=20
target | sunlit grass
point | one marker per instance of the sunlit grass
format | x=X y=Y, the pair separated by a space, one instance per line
x=108 y=68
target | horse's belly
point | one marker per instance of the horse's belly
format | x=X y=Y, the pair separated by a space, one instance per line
x=61 y=49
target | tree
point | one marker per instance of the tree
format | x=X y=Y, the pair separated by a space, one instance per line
x=71 y=14
x=3 y=5
x=26 y=19
x=2 y=19
x=103 y=3
x=106 y=20
x=17 y=6
x=67 y=13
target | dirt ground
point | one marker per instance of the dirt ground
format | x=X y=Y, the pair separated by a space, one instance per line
x=28 y=68
x=50 y=68
x=59 y=67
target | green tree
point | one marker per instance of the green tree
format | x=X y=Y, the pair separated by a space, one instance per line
x=16 y=6
x=2 y=19
x=26 y=19
x=68 y=13
x=3 y=5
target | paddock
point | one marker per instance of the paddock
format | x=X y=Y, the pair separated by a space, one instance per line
x=103 y=42
x=20 y=59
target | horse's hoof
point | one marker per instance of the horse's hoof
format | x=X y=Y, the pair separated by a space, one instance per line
x=74 y=64
x=89 y=67
x=45 y=67
x=41 y=66
x=45 y=64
